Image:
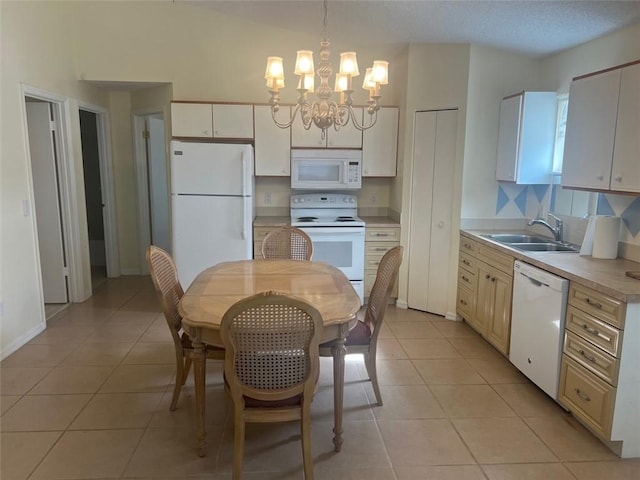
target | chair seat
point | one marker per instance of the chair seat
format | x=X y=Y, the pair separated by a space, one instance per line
x=358 y=335
x=187 y=344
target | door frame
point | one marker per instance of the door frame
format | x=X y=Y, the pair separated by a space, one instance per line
x=142 y=180
x=78 y=270
x=105 y=160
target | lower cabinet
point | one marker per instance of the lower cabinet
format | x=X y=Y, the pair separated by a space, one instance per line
x=485 y=288
x=258 y=236
x=378 y=241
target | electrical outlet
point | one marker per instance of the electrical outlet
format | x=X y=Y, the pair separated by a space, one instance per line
x=267 y=198
x=374 y=199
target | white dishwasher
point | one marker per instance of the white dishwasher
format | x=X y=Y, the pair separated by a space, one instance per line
x=537 y=325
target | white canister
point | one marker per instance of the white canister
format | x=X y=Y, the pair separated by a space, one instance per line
x=605 y=237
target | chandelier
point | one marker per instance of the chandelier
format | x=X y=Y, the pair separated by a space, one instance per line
x=324 y=112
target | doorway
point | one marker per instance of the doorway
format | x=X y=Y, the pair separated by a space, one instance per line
x=44 y=155
x=152 y=182
x=431 y=212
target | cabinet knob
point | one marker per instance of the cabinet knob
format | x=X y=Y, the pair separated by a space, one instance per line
x=600 y=177
x=617 y=178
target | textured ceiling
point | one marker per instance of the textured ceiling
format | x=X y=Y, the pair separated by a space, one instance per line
x=536 y=28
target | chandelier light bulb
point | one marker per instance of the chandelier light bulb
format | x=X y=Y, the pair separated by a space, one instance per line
x=380 y=72
x=304 y=63
x=349 y=64
x=274 y=68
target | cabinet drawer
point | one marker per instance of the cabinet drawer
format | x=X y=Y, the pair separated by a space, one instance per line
x=599 y=333
x=381 y=234
x=465 y=305
x=588 y=397
x=467 y=262
x=467 y=245
x=370 y=279
x=377 y=249
x=260 y=232
x=499 y=260
x=467 y=278
x=592 y=358
x=597 y=304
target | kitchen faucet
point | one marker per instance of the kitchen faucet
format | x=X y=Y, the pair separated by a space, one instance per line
x=557 y=230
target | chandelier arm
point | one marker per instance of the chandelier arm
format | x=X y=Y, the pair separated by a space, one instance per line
x=360 y=125
x=288 y=123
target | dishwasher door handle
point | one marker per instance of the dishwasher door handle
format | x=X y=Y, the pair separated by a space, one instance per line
x=537 y=283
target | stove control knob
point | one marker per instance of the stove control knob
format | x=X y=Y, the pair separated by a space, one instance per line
x=345 y=199
x=351 y=200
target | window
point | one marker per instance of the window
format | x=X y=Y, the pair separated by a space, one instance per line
x=561 y=126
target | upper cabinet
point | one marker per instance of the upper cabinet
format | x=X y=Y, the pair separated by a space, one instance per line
x=526 y=138
x=347 y=137
x=602 y=143
x=380 y=144
x=272 y=143
x=213 y=121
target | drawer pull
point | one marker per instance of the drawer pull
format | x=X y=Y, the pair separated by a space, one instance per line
x=582 y=395
x=380 y=249
x=465 y=278
x=487 y=276
x=466 y=262
x=592 y=331
x=591 y=358
x=382 y=234
x=467 y=246
x=463 y=302
x=593 y=304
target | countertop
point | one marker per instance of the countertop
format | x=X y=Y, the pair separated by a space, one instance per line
x=266 y=221
x=606 y=276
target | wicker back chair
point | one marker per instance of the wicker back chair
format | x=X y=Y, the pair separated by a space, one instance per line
x=272 y=365
x=363 y=338
x=287 y=243
x=165 y=280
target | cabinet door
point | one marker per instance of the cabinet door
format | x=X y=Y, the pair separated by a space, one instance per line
x=591 y=124
x=484 y=299
x=499 y=321
x=306 y=138
x=508 y=138
x=348 y=136
x=272 y=143
x=232 y=121
x=191 y=120
x=625 y=173
x=380 y=144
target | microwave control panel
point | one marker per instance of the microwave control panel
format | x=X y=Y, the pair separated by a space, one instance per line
x=353 y=172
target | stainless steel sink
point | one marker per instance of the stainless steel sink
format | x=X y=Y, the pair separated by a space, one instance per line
x=517 y=238
x=544 y=247
x=531 y=243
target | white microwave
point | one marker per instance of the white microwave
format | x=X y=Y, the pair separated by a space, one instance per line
x=326 y=169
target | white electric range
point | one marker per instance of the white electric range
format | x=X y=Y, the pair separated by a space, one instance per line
x=331 y=220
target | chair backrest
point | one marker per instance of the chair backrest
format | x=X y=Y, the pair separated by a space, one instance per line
x=271 y=343
x=165 y=280
x=379 y=297
x=287 y=243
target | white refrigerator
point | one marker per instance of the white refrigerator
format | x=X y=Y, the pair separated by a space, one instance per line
x=212 y=202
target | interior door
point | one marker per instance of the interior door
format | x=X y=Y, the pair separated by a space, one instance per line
x=431 y=210
x=158 y=184
x=47 y=203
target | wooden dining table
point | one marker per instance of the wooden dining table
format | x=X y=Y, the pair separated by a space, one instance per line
x=215 y=289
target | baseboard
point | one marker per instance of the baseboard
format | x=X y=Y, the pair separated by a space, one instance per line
x=401 y=304
x=129 y=271
x=22 y=340
x=453 y=316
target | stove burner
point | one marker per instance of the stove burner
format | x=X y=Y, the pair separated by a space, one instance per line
x=345 y=219
x=307 y=219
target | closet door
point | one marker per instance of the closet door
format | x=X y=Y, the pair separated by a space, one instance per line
x=431 y=210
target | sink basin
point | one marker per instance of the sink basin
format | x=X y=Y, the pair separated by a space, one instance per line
x=543 y=247
x=516 y=238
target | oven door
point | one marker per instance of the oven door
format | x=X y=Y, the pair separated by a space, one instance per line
x=342 y=247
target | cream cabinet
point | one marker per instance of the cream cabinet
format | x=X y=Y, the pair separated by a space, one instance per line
x=347 y=137
x=380 y=144
x=526 y=137
x=378 y=241
x=211 y=121
x=485 y=290
x=272 y=143
x=602 y=145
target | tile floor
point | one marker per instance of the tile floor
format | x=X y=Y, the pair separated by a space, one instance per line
x=88 y=399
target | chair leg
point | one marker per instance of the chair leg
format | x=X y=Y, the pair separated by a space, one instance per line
x=180 y=373
x=238 y=448
x=187 y=367
x=370 y=363
x=307 y=455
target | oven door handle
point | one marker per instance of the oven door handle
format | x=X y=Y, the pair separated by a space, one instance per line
x=332 y=230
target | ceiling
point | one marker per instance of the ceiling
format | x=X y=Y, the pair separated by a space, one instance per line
x=535 y=28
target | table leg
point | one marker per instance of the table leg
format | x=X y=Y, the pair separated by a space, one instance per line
x=199 y=371
x=339 y=351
